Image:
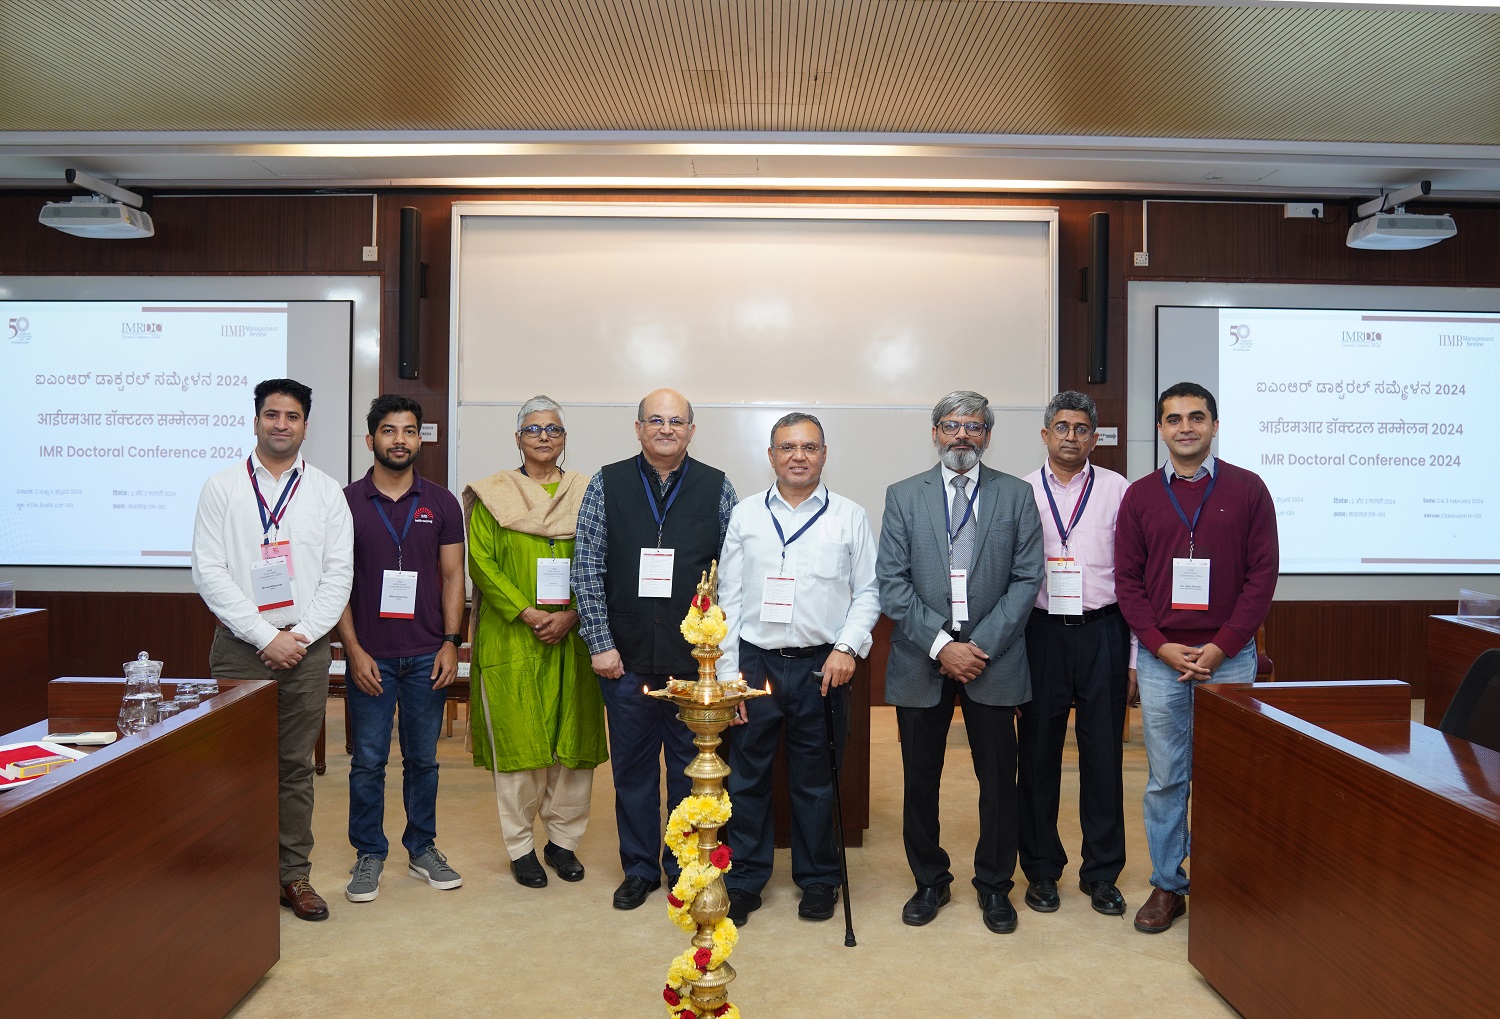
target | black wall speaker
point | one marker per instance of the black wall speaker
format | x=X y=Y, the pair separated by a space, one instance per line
x=409 y=295
x=1098 y=296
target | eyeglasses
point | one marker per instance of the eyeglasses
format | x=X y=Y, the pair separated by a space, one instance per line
x=676 y=424
x=973 y=429
x=805 y=448
x=553 y=431
x=1062 y=429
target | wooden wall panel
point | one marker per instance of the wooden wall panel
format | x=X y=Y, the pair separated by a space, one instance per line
x=92 y=633
x=1313 y=641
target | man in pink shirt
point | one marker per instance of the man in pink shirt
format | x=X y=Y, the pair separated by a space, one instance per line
x=1078 y=648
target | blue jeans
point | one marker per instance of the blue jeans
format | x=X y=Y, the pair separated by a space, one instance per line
x=406 y=682
x=1167 y=722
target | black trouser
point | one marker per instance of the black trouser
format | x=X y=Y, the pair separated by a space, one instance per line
x=992 y=741
x=1081 y=667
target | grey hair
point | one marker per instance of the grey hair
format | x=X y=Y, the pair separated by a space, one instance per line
x=537 y=404
x=1072 y=399
x=966 y=403
x=796 y=417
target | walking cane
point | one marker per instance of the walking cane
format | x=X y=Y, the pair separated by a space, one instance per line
x=838 y=812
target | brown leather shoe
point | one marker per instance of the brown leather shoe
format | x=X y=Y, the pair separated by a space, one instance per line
x=1159 y=911
x=306 y=904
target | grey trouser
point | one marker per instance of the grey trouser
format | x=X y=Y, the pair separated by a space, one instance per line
x=301 y=699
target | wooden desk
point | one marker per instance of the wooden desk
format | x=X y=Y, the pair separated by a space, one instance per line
x=1452 y=646
x=149 y=866
x=23 y=681
x=1342 y=854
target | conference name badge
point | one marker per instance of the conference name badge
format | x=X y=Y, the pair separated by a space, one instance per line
x=776 y=599
x=1190 y=584
x=656 y=573
x=1064 y=587
x=958 y=590
x=279 y=550
x=271 y=583
x=398 y=594
x=553 y=577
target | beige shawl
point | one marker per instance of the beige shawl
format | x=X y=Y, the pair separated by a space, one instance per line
x=520 y=504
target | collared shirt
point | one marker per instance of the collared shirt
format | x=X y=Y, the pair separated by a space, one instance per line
x=436 y=520
x=227 y=536
x=1205 y=470
x=971 y=491
x=590 y=553
x=835 y=600
x=1092 y=540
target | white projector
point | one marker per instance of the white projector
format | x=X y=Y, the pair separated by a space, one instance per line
x=96 y=217
x=1400 y=231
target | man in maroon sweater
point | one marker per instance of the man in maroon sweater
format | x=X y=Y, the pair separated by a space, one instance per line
x=1196 y=562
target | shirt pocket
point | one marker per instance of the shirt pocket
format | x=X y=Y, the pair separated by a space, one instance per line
x=830 y=560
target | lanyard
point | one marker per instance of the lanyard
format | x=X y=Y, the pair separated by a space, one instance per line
x=410 y=516
x=785 y=541
x=270 y=518
x=1083 y=500
x=659 y=513
x=968 y=512
x=1213 y=479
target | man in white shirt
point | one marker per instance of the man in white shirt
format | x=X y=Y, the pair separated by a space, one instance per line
x=797 y=585
x=273 y=558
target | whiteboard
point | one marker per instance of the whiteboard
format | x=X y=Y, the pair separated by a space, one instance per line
x=862 y=315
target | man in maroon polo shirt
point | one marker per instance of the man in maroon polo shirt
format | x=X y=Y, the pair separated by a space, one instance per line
x=1196 y=564
x=401 y=634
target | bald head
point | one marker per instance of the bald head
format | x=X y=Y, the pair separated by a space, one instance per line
x=664 y=426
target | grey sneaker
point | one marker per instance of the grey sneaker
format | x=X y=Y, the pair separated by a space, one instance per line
x=365 y=884
x=432 y=867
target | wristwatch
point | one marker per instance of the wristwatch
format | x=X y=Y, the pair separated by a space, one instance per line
x=846 y=649
x=456 y=639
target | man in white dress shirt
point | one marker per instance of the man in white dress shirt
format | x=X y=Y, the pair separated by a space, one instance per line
x=797 y=585
x=273 y=558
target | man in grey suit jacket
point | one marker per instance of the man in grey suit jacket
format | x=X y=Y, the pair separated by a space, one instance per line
x=959 y=567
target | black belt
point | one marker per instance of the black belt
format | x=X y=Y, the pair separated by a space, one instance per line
x=798 y=652
x=1088 y=617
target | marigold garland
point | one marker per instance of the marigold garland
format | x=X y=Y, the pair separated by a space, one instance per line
x=693 y=813
x=701 y=627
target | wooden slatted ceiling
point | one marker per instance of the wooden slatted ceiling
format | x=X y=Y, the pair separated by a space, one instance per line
x=979 y=67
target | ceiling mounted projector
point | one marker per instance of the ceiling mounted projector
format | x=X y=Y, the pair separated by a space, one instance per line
x=1400 y=231
x=1383 y=224
x=93 y=216
x=110 y=211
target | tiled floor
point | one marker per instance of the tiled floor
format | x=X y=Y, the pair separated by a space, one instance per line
x=495 y=948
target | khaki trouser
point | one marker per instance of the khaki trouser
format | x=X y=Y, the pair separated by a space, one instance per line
x=301 y=699
x=560 y=795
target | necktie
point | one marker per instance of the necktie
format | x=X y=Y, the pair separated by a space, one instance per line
x=961 y=555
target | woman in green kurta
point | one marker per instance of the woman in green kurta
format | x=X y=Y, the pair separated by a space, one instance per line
x=536 y=710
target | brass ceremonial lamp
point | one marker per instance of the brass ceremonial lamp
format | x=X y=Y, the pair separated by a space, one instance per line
x=705 y=706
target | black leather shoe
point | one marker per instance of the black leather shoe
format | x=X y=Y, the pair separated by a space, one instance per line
x=999 y=914
x=528 y=871
x=741 y=905
x=563 y=861
x=1042 y=896
x=1104 y=897
x=818 y=902
x=633 y=891
x=923 y=906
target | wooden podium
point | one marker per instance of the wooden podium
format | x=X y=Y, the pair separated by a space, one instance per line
x=142 y=879
x=23 y=681
x=1343 y=855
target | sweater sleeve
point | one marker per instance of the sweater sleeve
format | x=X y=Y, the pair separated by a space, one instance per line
x=1130 y=573
x=1262 y=569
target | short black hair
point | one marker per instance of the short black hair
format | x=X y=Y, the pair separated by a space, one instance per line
x=284 y=387
x=387 y=404
x=1187 y=389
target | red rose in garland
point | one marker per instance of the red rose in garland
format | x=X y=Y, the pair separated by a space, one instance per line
x=720 y=857
x=671 y=996
x=702 y=957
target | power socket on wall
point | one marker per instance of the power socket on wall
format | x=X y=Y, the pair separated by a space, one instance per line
x=1302 y=210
